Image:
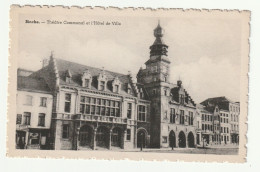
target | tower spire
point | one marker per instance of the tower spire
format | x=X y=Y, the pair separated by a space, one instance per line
x=158 y=47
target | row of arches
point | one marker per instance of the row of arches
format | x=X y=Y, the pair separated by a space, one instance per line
x=181 y=139
x=104 y=137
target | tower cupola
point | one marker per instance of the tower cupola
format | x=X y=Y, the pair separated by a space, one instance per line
x=158 y=48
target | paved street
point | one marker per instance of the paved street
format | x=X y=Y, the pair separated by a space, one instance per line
x=214 y=150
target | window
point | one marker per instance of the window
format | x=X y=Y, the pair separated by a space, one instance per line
x=116 y=88
x=154 y=91
x=41 y=120
x=65 y=131
x=182 y=99
x=102 y=85
x=227 y=130
x=202 y=117
x=181 y=116
x=129 y=90
x=141 y=95
x=97 y=106
x=67 y=102
x=165 y=92
x=129 y=110
x=19 y=119
x=68 y=79
x=190 y=120
x=128 y=134
x=28 y=100
x=164 y=139
x=87 y=81
x=43 y=101
x=203 y=127
x=141 y=113
x=172 y=116
x=27 y=118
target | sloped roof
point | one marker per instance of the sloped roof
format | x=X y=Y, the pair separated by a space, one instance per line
x=222 y=102
x=77 y=70
x=203 y=108
x=32 y=84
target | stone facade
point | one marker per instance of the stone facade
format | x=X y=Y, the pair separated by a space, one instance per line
x=173 y=111
x=98 y=109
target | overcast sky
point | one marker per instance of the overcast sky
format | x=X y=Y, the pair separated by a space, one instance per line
x=205 y=52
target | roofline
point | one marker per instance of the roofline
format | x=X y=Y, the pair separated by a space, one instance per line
x=25 y=70
x=35 y=91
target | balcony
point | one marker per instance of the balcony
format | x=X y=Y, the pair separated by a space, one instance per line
x=207 y=132
x=94 y=118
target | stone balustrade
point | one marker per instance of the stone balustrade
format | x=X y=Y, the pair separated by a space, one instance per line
x=94 y=118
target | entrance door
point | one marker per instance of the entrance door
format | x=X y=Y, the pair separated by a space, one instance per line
x=198 y=139
x=85 y=135
x=191 y=140
x=182 y=140
x=172 y=139
x=102 y=137
x=141 y=139
x=116 y=137
x=20 y=139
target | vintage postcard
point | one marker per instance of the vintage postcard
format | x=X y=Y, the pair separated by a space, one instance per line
x=109 y=83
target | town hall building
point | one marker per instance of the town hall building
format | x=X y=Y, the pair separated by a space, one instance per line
x=94 y=108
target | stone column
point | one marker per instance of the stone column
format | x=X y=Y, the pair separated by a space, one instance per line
x=77 y=138
x=109 y=139
x=94 y=139
x=26 y=139
x=187 y=141
x=123 y=136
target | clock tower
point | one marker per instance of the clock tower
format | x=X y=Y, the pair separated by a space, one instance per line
x=157 y=67
x=155 y=78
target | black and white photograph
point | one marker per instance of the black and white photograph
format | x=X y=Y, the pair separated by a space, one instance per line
x=128 y=81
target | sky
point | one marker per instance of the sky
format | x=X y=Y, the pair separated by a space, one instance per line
x=205 y=52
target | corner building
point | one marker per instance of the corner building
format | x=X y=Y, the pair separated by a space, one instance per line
x=172 y=109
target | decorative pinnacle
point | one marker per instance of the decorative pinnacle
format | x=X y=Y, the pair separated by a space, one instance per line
x=158 y=31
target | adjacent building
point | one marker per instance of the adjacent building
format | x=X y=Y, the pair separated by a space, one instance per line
x=226 y=119
x=34 y=110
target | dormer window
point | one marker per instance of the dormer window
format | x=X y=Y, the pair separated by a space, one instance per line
x=102 y=81
x=67 y=79
x=86 y=79
x=116 y=88
x=68 y=76
x=182 y=99
x=87 y=83
x=141 y=93
x=128 y=88
x=102 y=85
x=116 y=85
